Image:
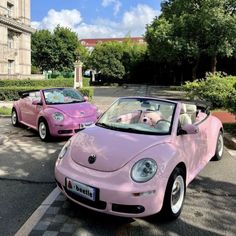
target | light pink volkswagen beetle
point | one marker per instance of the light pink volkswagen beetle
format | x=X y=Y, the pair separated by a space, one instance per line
x=54 y=112
x=139 y=157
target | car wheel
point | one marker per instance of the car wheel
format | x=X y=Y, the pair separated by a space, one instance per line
x=14 y=118
x=219 y=147
x=43 y=130
x=174 y=195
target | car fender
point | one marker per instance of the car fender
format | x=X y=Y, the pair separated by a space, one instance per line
x=47 y=115
x=167 y=158
x=214 y=129
x=17 y=107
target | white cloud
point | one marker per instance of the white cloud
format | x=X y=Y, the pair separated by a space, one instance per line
x=138 y=17
x=117 y=5
x=65 y=18
x=133 y=22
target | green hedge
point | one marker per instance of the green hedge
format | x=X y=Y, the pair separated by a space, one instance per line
x=37 y=83
x=12 y=93
x=219 y=90
x=86 y=82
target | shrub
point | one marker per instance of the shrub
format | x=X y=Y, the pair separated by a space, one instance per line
x=12 y=93
x=218 y=89
x=87 y=91
x=37 y=83
x=86 y=81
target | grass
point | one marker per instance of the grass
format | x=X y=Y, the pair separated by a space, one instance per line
x=5 y=111
x=230 y=128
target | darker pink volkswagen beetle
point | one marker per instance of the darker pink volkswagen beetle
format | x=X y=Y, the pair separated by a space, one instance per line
x=54 y=112
x=139 y=157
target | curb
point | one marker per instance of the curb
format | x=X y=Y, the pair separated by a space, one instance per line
x=5 y=116
x=37 y=215
x=229 y=141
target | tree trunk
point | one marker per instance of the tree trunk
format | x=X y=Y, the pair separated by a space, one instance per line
x=213 y=64
x=194 y=70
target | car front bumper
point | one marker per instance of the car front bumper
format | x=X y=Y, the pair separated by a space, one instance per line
x=118 y=194
x=69 y=127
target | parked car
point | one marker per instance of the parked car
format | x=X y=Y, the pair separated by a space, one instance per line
x=139 y=157
x=54 y=111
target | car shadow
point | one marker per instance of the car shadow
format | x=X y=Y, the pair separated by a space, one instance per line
x=204 y=213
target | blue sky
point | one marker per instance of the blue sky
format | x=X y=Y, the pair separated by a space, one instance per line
x=95 y=18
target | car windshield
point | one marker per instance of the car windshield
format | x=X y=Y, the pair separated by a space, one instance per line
x=62 y=96
x=139 y=115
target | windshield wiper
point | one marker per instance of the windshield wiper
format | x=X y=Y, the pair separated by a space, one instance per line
x=104 y=125
x=76 y=101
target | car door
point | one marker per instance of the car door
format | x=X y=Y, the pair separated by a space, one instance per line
x=24 y=108
x=204 y=123
x=195 y=148
x=33 y=109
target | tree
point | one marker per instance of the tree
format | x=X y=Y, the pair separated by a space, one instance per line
x=65 y=46
x=82 y=54
x=55 y=51
x=42 y=50
x=186 y=30
x=106 y=59
x=115 y=60
x=133 y=55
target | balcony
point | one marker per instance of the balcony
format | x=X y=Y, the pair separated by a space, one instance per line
x=15 y=24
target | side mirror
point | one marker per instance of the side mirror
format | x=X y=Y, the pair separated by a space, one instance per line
x=37 y=103
x=188 y=129
x=86 y=98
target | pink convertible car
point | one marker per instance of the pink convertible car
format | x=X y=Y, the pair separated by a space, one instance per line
x=54 y=112
x=139 y=157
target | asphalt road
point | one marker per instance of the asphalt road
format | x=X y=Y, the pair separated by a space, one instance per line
x=26 y=179
x=26 y=174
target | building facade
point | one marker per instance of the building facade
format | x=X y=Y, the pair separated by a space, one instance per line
x=15 y=39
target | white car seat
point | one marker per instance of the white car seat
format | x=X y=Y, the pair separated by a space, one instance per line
x=184 y=117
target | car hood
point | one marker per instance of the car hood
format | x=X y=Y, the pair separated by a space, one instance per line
x=113 y=149
x=82 y=109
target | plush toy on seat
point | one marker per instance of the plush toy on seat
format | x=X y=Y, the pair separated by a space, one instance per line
x=151 y=118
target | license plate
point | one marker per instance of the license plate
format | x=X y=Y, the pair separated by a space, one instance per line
x=80 y=189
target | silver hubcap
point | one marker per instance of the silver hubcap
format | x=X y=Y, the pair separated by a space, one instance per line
x=13 y=117
x=177 y=194
x=220 y=145
x=42 y=130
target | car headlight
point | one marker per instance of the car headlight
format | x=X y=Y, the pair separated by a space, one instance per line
x=58 y=116
x=64 y=149
x=143 y=170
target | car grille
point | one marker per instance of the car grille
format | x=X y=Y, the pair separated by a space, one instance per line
x=131 y=209
x=65 y=131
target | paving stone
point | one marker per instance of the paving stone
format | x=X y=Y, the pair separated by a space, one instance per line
x=68 y=228
x=50 y=233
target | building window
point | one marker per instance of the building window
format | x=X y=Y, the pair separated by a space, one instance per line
x=10 y=8
x=10 y=39
x=10 y=67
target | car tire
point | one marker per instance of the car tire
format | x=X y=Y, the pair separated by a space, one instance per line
x=14 y=118
x=43 y=130
x=174 y=195
x=219 y=147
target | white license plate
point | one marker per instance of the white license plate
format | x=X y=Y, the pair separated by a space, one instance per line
x=81 y=189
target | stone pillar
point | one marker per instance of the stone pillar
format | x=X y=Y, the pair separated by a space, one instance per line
x=93 y=75
x=78 y=78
